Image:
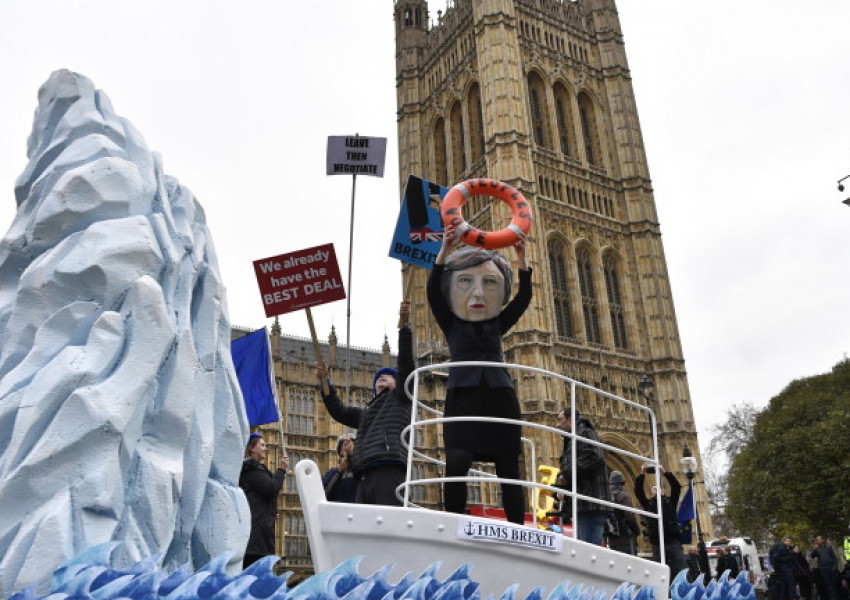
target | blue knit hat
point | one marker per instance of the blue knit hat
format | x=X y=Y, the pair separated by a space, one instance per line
x=379 y=372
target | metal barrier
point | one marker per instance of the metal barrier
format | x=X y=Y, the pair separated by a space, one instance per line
x=403 y=491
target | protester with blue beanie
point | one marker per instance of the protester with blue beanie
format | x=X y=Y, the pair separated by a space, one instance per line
x=379 y=460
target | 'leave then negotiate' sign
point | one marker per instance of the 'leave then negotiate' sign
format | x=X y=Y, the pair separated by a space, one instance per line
x=356 y=155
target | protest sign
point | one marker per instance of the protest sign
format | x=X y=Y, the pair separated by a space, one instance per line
x=418 y=233
x=299 y=279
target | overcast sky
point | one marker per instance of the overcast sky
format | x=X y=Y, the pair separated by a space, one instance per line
x=743 y=106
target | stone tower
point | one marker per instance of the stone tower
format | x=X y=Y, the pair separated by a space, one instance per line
x=538 y=94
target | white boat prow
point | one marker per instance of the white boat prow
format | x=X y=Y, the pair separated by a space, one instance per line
x=501 y=554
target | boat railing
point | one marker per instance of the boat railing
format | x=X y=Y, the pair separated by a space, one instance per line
x=535 y=487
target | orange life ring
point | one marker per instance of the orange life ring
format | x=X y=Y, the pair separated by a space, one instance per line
x=459 y=194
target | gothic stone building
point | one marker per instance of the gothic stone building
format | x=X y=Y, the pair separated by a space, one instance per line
x=538 y=94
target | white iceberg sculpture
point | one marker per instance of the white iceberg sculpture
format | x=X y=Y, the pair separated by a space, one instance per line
x=121 y=417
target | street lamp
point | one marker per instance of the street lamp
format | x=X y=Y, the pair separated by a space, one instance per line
x=645 y=387
x=689 y=466
x=841 y=189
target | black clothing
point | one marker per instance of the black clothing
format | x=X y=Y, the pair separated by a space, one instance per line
x=674 y=554
x=802 y=575
x=379 y=424
x=477 y=340
x=480 y=392
x=339 y=487
x=727 y=563
x=627 y=526
x=693 y=567
x=261 y=489
x=458 y=462
x=668 y=508
x=826 y=557
x=782 y=583
x=827 y=569
x=591 y=472
x=378 y=484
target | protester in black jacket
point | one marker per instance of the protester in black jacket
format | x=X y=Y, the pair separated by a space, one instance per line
x=674 y=554
x=379 y=461
x=782 y=585
x=625 y=539
x=261 y=489
x=591 y=476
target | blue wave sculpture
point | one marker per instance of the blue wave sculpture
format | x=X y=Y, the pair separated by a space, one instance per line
x=91 y=576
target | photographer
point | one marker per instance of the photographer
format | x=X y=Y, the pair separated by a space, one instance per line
x=339 y=482
x=673 y=553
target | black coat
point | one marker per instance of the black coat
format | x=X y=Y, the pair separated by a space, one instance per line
x=626 y=521
x=591 y=472
x=261 y=489
x=479 y=391
x=668 y=509
x=380 y=423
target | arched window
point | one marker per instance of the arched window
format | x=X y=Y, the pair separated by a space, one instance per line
x=588 y=296
x=539 y=110
x=587 y=116
x=441 y=173
x=615 y=302
x=564 y=117
x=476 y=122
x=560 y=289
x=457 y=137
x=301 y=413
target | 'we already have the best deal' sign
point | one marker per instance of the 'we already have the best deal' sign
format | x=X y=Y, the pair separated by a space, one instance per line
x=299 y=279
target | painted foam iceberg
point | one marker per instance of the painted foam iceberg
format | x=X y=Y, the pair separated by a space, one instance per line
x=120 y=415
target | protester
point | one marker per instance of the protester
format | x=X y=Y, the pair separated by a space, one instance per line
x=261 y=489
x=379 y=460
x=468 y=290
x=674 y=555
x=692 y=559
x=827 y=567
x=625 y=540
x=591 y=477
x=782 y=584
x=802 y=573
x=726 y=562
x=339 y=481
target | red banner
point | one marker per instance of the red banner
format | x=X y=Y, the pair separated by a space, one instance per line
x=299 y=279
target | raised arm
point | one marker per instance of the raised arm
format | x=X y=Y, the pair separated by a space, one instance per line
x=347 y=415
x=405 y=363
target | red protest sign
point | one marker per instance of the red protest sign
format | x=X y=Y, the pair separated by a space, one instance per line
x=299 y=279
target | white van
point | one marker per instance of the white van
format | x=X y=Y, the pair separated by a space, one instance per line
x=744 y=551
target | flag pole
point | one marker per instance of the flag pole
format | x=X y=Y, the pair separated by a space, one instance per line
x=348 y=294
x=273 y=383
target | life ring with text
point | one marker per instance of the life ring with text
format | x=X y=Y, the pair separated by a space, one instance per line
x=452 y=214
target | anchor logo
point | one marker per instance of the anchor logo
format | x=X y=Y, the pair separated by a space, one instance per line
x=469 y=529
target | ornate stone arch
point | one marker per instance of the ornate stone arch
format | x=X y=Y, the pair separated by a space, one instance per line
x=475 y=120
x=587 y=263
x=588 y=117
x=457 y=140
x=559 y=254
x=538 y=106
x=563 y=100
x=439 y=160
x=613 y=275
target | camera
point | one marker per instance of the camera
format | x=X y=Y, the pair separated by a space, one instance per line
x=650 y=470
